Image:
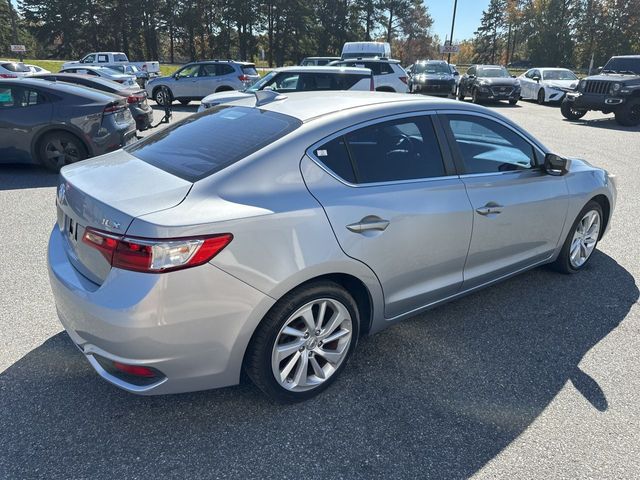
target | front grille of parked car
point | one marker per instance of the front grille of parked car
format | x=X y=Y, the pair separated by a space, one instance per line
x=502 y=90
x=598 y=87
x=436 y=83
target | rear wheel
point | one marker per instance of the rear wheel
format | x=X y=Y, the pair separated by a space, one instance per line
x=163 y=96
x=57 y=149
x=582 y=239
x=302 y=344
x=571 y=113
x=629 y=114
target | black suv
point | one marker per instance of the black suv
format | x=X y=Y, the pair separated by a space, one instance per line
x=433 y=77
x=616 y=89
x=489 y=83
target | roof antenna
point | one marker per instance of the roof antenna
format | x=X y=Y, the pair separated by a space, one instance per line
x=267 y=96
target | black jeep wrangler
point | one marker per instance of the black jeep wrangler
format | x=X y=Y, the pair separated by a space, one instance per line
x=616 y=89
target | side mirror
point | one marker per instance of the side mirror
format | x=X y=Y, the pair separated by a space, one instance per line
x=456 y=74
x=555 y=164
x=472 y=77
x=536 y=78
x=513 y=76
x=599 y=69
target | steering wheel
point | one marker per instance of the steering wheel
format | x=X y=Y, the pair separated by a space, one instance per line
x=403 y=143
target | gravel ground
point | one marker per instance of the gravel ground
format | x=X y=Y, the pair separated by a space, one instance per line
x=537 y=377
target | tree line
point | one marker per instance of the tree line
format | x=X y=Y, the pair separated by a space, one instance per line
x=277 y=31
x=568 y=33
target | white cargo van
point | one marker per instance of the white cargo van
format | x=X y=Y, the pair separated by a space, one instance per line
x=366 y=50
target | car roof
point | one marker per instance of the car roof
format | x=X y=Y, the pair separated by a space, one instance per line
x=63 y=87
x=61 y=77
x=626 y=56
x=319 y=58
x=306 y=106
x=369 y=59
x=325 y=69
x=432 y=61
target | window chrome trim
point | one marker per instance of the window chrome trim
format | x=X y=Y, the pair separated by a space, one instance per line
x=367 y=123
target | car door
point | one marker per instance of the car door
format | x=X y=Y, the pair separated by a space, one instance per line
x=526 y=84
x=519 y=210
x=185 y=84
x=23 y=111
x=208 y=79
x=395 y=203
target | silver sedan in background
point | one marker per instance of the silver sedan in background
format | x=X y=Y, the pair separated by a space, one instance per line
x=270 y=233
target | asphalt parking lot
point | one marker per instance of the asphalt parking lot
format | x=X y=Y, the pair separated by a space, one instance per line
x=537 y=377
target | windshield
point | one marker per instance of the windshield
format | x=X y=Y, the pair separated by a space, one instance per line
x=623 y=65
x=16 y=67
x=259 y=85
x=431 y=68
x=493 y=72
x=558 y=75
x=207 y=142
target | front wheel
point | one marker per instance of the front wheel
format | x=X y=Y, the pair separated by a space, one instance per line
x=513 y=101
x=541 y=97
x=582 y=239
x=303 y=343
x=569 y=112
x=629 y=114
x=474 y=96
x=460 y=94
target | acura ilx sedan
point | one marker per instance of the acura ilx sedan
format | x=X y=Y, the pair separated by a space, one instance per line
x=269 y=234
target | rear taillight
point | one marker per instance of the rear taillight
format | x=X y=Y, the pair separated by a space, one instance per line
x=155 y=255
x=8 y=75
x=135 y=99
x=244 y=78
x=120 y=81
x=403 y=80
x=372 y=86
x=112 y=108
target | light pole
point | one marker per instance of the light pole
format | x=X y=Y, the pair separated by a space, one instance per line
x=14 y=25
x=453 y=24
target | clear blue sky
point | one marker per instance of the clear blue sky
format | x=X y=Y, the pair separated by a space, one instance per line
x=467 y=18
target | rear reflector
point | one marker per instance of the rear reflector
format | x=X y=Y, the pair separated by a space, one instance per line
x=135 y=370
x=155 y=255
x=135 y=98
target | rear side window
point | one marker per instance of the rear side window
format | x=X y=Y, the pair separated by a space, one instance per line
x=404 y=149
x=18 y=97
x=224 y=69
x=103 y=59
x=119 y=57
x=207 y=142
x=16 y=67
x=328 y=81
x=249 y=70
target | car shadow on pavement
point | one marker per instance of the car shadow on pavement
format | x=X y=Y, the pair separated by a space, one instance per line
x=436 y=396
x=176 y=107
x=14 y=177
x=606 y=123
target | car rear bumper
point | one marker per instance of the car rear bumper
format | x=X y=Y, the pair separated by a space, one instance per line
x=192 y=326
x=143 y=117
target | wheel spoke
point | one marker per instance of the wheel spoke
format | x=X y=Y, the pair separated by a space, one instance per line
x=309 y=321
x=317 y=369
x=284 y=373
x=331 y=356
x=288 y=349
x=336 y=335
x=300 y=379
x=321 y=312
x=294 y=332
x=333 y=323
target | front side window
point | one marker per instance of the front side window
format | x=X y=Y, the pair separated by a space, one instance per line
x=205 y=143
x=189 y=71
x=89 y=59
x=404 y=149
x=486 y=146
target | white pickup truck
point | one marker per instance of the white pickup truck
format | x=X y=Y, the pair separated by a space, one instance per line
x=107 y=59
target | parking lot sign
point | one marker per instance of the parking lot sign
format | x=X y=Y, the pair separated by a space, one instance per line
x=18 y=48
x=449 y=48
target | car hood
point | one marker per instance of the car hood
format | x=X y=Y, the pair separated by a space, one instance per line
x=224 y=97
x=561 y=84
x=425 y=77
x=614 y=77
x=499 y=82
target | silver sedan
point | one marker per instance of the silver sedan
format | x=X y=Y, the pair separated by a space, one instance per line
x=269 y=234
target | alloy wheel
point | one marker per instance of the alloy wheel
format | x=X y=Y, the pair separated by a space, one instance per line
x=584 y=239
x=311 y=345
x=61 y=152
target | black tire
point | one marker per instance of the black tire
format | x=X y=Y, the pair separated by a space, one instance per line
x=57 y=149
x=571 y=113
x=541 y=96
x=563 y=262
x=184 y=102
x=474 y=96
x=513 y=102
x=460 y=94
x=629 y=114
x=258 y=358
x=158 y=96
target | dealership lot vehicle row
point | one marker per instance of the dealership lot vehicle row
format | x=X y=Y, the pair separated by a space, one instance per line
x=520 y=377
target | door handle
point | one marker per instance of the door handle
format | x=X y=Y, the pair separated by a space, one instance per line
x=369 y=223
x=491 y=208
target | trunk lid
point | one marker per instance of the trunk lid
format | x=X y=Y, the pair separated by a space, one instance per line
x=107 y=193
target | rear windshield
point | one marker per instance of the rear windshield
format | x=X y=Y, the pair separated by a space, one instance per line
x=207 y=142
x=120 y=57
x=16 y=67
x=249 y=70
